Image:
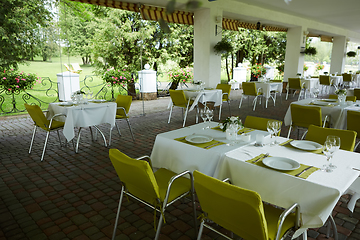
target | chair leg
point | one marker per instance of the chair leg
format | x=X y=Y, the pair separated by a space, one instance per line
x=200 y=230
x=46 y=140
x=289 y=131
x=118 y=213
x=103 y=136
x=254 y=102
x=59 y=138
x=332 y=223
x=186 y=112
x=78 y=141
x=356 y=145
x=32 y=139
x=170 y=113
x=220 y=111
x=229 y=107
x=287 y=94
x=128 y=122
x=159 y=226
x=241 y=101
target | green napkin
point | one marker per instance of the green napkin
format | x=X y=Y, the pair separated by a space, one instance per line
x=302 y=167
x=287 y=144
x=207 y=145
x=244 y=130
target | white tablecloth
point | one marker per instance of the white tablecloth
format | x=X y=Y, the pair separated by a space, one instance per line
x=311 y=84
x=336 y=113
x=317 y=195
x=267 y=87
x=84 y=115
x=336 y=80
x=214 y=95
x=179 y=156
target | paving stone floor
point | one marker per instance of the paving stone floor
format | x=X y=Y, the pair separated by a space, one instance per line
x=75 y=196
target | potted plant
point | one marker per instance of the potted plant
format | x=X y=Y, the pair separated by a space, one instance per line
x=180 y=75
x=14 y=81
x=117 y=77
x=224 y=46
x=310 y=51
x=351 y=54
x=305 y=68
x=257 y=70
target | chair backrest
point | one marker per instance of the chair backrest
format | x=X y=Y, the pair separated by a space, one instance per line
x=125 y=102
x=37 y=116
x=304 y=116
x=178 y=98
x=226 y=88
x=236 y=209
x=346 y=77
x=257 y=122
x=357 y=93
x=319 y=134
x=324 y=80
x=67 y=67
x=76 y=66
x=249 y=88
x=137 y=176
x=353 y=120
x=294 y=83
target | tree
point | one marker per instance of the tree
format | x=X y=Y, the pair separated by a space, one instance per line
x=19 y=30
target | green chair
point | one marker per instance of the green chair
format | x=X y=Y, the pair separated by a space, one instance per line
x=249 y=89
x=348 y=98
x=156 y=190
x=225 y=88
x=123 y=103
x=357 y=93
x=325 y=82
x=42 y=122
x=257 y=123
x=319 y=134
x=347 y=79
x=353 y=120
x=242 y=211
x=304 y=116
x=179 y=100
x=295 y=85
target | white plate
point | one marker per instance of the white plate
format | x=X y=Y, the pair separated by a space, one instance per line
x=97 y=100
x=281 y=163
x=306 y=145
x=321 y=103
x=329 y=100
x=198 y=139
x=65 y=103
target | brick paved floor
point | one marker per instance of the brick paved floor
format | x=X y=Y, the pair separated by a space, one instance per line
x=75 y=196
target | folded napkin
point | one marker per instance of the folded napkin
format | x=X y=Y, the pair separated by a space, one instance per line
x=287 y=144
x=296 y=173
x=244 y=130
x=328 y=105
x=207 y=145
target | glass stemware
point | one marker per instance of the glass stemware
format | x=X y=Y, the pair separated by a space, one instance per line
x=270 y=128
x=204 y=116
x=331 y=145
x=209 y=115
x=316 y=92
x=276 y=126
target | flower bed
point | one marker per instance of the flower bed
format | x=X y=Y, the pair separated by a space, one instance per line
x=14 y=81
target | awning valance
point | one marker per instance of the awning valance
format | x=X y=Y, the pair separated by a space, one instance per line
x=234 y=25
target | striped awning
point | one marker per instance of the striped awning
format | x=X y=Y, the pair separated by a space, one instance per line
x=147 y=12
x=234 y=25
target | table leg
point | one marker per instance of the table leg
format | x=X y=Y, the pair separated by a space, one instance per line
x=102 y=135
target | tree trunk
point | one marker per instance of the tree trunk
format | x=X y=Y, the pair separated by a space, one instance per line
x=131 y=90
x=174 y=85
x=227 y=69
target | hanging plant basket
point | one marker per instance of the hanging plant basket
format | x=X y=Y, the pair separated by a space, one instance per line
x=310 y=51
x=223 y=46
x=351 y=54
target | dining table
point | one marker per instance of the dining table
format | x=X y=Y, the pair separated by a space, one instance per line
x=90 y=114
x=310 y=84
x=330 y=107
x=244 y=162
x=202 y=95
x=269 y=87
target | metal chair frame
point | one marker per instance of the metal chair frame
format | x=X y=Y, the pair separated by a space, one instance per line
x=258 y=94
x=118 y=129
x=182 y=114
x=302 y=87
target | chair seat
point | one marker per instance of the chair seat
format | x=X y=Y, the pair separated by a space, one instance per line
x=272 y=215
x=180 y=186
x=56 y=124
x=121 y=117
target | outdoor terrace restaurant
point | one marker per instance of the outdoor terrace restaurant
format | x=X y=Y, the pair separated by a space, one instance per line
x=257 y=157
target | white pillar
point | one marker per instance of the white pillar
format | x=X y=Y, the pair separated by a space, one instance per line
x=294 y=60
x=338 y=54
x=207 y=65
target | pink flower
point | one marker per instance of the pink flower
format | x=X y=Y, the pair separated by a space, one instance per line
x=121 y=77
x=17 y=86
x=114 y=82
x=4 y=78
x=9 y=89
x=23 y=79
x=124 y=78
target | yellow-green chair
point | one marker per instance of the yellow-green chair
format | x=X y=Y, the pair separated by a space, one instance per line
x=348 y=98
x=242 y=211
x=325 y=82
x=304 y=116
x=295 y=84
x=257 y=123
x=40 y=121
x=357 y=93
x=347 y=79
x=353 y=120
x=225 y=88
x=319 y=134
x=156 y=190
x=123 y=103
x=179 y=100
x=249 y=89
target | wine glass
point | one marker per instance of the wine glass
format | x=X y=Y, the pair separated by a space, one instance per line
x=331 y=145
x=203 y=116
x=316 y=92
x=270 y=128
x=209 y=115
x=276 y=129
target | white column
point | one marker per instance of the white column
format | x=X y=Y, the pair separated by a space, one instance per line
x=294 y=60
x=207 y=65
x=338 y=54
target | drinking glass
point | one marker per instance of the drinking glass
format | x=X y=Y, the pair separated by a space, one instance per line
x=335 y=141
x=209 y=115
x=203 y=116
x=276 y=128
x=270 y=128
x=231 y=133
x=331 y=145
x=316 y=92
